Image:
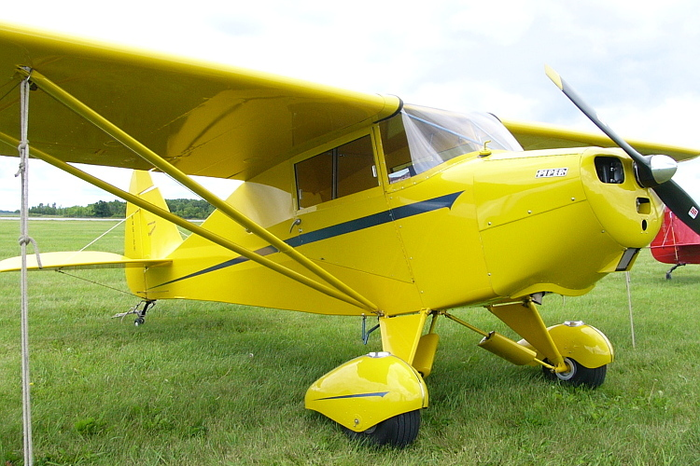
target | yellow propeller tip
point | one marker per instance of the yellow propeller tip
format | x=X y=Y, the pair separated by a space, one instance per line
x=554 y=76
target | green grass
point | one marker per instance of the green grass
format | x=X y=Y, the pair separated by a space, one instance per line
x=208 y=383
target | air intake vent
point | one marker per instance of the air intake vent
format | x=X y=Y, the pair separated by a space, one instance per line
x=627 y=259
x=610 y=170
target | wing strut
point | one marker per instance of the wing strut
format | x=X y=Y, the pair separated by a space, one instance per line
x=196 y=229
x=341 y=291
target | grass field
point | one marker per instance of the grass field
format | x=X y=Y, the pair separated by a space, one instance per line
x=208 y=384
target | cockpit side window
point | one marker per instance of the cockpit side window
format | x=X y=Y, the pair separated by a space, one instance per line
x=338 y=172
x=396 y=151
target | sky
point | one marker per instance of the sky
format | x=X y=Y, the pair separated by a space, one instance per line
x=635 y=62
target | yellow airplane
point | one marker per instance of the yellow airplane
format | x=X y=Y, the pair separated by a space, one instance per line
x=352 y=204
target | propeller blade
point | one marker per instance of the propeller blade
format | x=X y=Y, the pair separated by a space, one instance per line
x=653 y=171
x=591 y=114
x=680 y=203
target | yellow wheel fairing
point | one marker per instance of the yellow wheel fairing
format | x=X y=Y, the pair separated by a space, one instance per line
x=368 y=390
x=581 y=342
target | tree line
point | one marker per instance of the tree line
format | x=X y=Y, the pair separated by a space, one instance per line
x=185 y=208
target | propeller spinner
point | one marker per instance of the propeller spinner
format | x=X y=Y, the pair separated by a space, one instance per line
x=653 y=171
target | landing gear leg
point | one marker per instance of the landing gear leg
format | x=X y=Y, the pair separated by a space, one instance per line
x=668 y=274
x=140 y=310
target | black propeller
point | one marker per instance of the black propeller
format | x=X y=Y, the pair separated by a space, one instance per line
x=653 y=171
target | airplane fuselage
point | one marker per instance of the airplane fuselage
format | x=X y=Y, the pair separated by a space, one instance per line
x=482 y=227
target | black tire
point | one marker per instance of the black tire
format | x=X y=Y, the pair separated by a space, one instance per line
x=398 y=431
x=579 y=375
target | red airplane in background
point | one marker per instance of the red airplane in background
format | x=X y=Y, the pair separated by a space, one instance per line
x=675 y=243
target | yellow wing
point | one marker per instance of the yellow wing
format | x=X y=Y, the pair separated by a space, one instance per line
x=533 y=136
x=207 y=119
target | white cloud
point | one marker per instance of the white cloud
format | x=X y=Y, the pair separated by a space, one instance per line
x=503 y=22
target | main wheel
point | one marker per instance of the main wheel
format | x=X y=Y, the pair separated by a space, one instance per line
x=579 y=375
x=398 y=431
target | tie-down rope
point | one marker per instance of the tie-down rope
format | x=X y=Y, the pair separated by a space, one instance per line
x=25 y=239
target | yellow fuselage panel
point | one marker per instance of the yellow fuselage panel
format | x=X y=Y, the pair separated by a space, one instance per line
x=442 y=244
x=354 y=232
x=508 y=189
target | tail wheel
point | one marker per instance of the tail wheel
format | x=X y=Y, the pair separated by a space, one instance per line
x=398 y=431
x=579 y=375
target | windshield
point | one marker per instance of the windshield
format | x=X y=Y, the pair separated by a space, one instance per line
x=420 y=138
